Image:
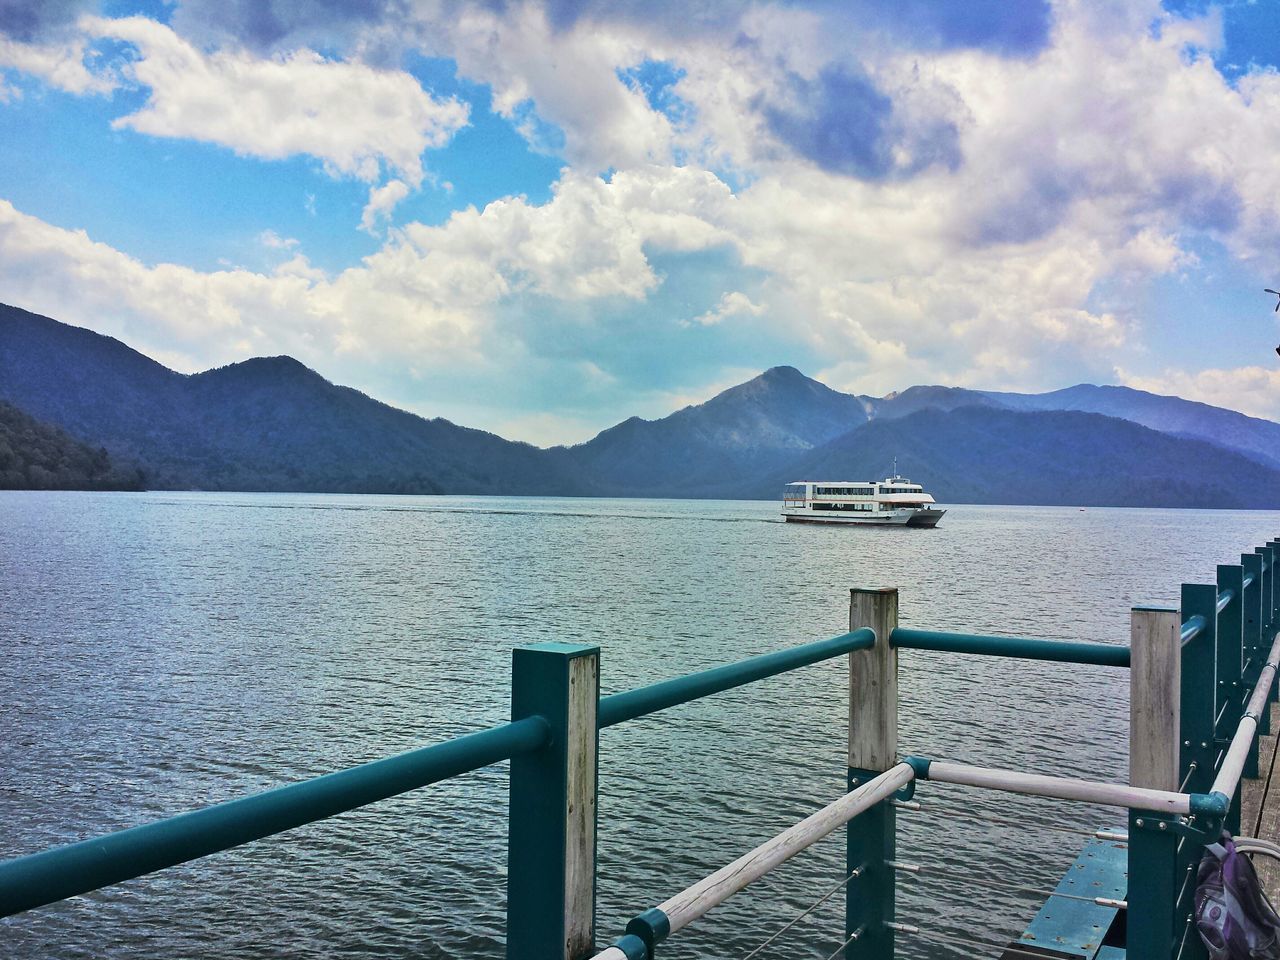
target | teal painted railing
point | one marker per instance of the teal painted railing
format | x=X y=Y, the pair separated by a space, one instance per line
x=1219 y=647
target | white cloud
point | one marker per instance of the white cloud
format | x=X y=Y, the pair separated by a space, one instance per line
x=356 y=119
x=382 y=200
x=424 y=298
x=546 y=79
x=1253 y=390
x=273 y=241
x=732 y=304
x=60 y=64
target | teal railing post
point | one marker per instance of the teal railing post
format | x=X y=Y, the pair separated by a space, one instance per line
x=1198 y=751
x=873 y=748
x=1155 y=696
x=1199 y=663
x=551 y=842
x=1230 y=670
x=1273 y=623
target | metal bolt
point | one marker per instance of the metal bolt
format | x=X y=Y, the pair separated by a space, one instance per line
x=1163 y=825
x=1140 y=822
x=1186 y=743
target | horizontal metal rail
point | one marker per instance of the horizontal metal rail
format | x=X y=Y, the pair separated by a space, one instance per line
x=658 y=923
x=621 y=707
x=1193 y=628
x=77 y=868
x=1063 y=788
x=1225 y=598
x=1228 y=779
x=1026 y=648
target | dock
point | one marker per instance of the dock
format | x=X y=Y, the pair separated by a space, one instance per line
x=1202 y=739
x=1260 y=806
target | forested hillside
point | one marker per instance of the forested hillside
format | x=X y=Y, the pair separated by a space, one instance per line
x=38 y=456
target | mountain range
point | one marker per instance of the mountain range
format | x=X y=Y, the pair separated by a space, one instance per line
x=271 y=423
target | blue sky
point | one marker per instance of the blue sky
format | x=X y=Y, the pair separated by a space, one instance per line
x=541 y=218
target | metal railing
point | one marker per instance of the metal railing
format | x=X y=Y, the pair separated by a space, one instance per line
x=1206 y=673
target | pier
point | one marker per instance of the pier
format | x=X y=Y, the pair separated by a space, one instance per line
x=1202 y=747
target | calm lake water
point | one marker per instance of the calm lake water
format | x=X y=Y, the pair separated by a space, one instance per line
x=166 y=651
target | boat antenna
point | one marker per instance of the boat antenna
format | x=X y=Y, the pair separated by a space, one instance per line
x=895 y=468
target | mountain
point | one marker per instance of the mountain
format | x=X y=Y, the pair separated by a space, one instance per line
x=980 y=454
x=38 y=456
x=270 y=423
x=264 y=424
x=703 y=450
x=895 y=405
x=1256 y=438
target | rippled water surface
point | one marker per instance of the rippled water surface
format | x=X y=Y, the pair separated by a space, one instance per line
x=166 y=651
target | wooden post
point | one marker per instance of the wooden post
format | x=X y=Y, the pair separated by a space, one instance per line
x=1230 y=671
x=1155 y=698
x=551 y=844
x=873 y=748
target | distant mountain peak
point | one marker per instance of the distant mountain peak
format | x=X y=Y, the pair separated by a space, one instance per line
x=277 y=369
x=784 y=373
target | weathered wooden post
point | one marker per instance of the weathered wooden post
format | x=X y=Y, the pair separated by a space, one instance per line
x=873 y=748
x=1230 y=671
x=551 y=844
x=1155 y=712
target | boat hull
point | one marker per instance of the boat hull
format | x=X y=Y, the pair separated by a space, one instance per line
x=915 y=518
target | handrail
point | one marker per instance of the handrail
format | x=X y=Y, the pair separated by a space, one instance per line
x=620 y=707
x=1228 y=779
x=1225 y=598
x=77 y=868
x=1027 y=648
x=1193 y=628
x=657 y=923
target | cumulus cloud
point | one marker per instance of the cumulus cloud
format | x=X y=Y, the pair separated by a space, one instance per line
x=382 y=200
x=943 y=218
x=427 y=293
x=732 y=304
x=356 y=119
x=27 y=21
x=1252 y=390
x=59 y=63
x=273 y=241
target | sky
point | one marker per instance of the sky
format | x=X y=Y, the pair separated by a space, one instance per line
x=540 y=218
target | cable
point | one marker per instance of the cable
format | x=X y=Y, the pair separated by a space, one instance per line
x=852 y=937
x=1009 y=888
x=821 y=900
x=991 y=818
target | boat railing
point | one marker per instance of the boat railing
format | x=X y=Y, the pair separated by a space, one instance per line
x=1201 y=680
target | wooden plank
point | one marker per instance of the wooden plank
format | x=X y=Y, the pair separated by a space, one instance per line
x=1155 y=693
x=580 y=815
x=873 y=682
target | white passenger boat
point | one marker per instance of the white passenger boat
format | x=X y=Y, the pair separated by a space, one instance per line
x=894 y=501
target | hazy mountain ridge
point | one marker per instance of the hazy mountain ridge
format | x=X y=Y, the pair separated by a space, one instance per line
x=271 y=423
x=1252 y=436
x=976 y=454
x=702 y=450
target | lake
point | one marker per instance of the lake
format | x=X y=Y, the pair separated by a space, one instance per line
x=164 y=651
